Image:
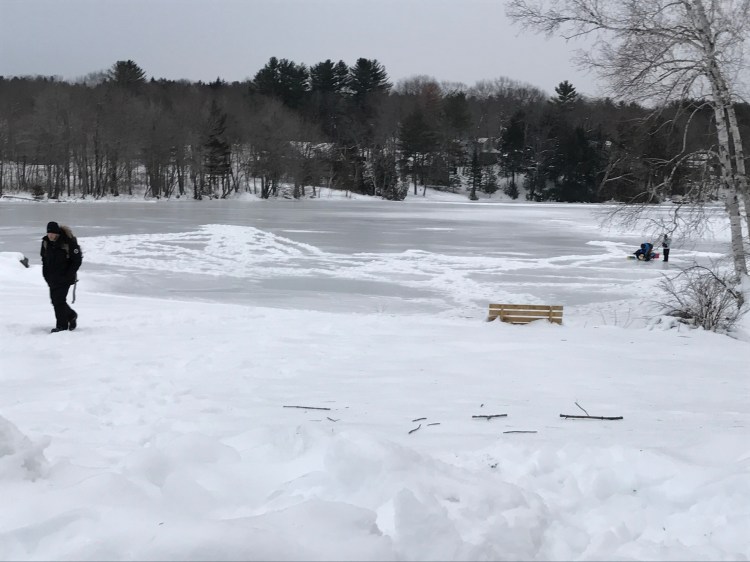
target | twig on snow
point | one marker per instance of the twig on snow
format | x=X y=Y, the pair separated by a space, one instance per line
x=591 y=417
x=488 y=418
x=307 y=407
x=415 y=429
x=419 y=419
x=581 y=407
x=519 y=431
x=435 y=423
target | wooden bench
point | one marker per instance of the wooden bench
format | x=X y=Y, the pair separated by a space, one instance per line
x=525 y=313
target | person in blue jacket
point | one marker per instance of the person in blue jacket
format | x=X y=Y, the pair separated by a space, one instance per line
x=645 y=252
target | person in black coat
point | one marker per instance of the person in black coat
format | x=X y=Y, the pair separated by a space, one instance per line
x=61 y=258
x=666 y=242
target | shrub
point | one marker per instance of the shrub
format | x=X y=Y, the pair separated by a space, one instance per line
x=37 y=191
x=702 y=297
x=511 y=190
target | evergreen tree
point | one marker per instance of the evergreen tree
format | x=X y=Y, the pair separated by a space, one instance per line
x=456 y=115
x=511 y=190
x=367 y=77
x=489 y=180
x=217 y=84
x=283 y=80
x=476 y=175
x=574 y=167
x=512 y=147
x=127 y=74
x=567 y=96
x=217 y=150
x=328 y=77
x=328 y=84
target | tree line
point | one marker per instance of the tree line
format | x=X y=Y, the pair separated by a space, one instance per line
x=345 y=127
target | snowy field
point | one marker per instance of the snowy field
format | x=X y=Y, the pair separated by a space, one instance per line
x=158 y=430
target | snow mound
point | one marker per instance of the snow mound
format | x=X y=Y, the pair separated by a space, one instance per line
x=11 y=260
x=20 y=459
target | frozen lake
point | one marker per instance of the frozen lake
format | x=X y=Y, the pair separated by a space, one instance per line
x=412 y=256
x=265 y=424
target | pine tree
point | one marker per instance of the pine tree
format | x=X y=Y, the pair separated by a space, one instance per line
x=328 y=77
x=566 y=96
x=456 y=114
x=574 y=166
x=489 y=180
x=217 y=150
x=367 y=77
x=127 y=74
x=476 y=175
x=217 y=84
x=283 y=80
x=328 y=85
x=511 y=190
x=512 y=145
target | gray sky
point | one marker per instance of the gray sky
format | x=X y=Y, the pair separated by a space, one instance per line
x=454 y=40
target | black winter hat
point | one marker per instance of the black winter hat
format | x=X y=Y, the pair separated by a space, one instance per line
x=54 y=228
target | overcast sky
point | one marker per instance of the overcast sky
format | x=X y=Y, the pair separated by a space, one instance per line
x=454 y=40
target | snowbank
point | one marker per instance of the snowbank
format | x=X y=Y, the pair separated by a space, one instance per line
x=180 y=429
x=20 y=459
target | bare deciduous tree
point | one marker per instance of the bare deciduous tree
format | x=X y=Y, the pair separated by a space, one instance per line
x=660 y=51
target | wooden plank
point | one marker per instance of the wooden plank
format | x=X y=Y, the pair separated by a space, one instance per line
x=521 y=318
x=524 y=312
x=531 y=306
x=528 y=306
x=511 y=320
x=530 y=320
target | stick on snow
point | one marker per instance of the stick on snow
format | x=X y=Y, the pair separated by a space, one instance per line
x=581 y=407
x=591 y=417
x=307 y=407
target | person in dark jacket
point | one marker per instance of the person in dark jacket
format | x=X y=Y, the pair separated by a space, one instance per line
x=61 y=258
x=645 y=252
x=666 y=242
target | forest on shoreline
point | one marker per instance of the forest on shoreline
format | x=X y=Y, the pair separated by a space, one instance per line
x=348 y=128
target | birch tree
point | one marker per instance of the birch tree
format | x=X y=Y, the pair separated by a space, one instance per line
x=659 y=51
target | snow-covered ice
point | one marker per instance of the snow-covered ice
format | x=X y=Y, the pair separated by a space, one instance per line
x=158 y=429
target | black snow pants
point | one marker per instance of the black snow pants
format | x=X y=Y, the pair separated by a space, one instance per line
x=63 y=312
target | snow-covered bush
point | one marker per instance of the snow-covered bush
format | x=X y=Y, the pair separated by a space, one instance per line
x=703 y=297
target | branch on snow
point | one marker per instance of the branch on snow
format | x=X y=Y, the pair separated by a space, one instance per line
x=307 y=407
x=591 y=417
